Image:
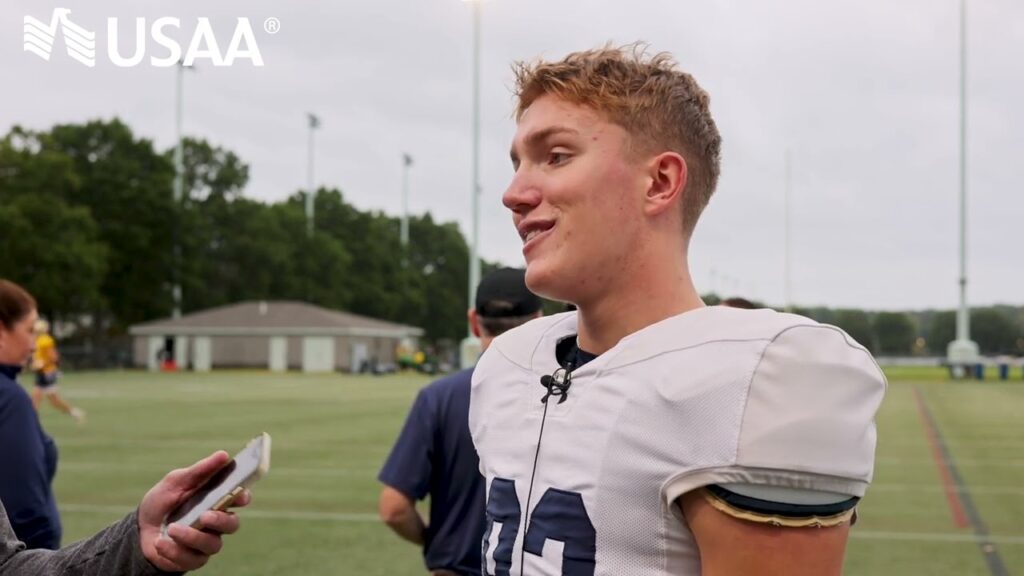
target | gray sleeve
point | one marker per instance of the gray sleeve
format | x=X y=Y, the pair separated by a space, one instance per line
x=115 y=551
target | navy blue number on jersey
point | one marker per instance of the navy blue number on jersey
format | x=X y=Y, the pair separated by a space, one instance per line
x=559 y=515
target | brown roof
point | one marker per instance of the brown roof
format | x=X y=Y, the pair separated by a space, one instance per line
x=274 y=317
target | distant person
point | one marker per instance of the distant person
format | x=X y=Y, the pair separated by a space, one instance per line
x=737 y=302
x=434 y=453
x=28 y=512
x=45 y=363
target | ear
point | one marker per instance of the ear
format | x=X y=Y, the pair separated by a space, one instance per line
x=474 y=322
x=668 y=176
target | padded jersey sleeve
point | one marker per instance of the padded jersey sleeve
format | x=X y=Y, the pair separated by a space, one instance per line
x=809 y=418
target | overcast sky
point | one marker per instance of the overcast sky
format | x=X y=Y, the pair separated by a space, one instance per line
x=864 y=93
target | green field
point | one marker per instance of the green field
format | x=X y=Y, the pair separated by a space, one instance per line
x=315 y=514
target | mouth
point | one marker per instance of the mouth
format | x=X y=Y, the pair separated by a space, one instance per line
x=534 y=231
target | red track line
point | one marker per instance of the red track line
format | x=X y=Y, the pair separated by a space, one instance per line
x=956 y=505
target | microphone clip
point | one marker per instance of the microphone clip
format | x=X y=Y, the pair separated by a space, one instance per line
x=557 y=384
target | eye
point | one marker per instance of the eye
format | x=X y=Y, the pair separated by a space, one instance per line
x=556 y=158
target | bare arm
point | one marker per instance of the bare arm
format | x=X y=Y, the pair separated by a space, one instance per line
x=400 y=514
x=733 y=547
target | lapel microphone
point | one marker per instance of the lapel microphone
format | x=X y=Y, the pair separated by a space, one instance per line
x=557 y=384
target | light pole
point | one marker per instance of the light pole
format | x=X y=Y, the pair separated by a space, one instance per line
x=474 y=256
x=471 y=345
x=788 y=266
x=314 y=123
x=406 y=164
x=963 y=351
x=179 y=190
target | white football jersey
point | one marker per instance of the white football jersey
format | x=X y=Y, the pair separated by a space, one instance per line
x=713 y=396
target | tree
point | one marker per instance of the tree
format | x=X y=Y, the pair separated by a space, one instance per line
x=26 y=167
x=126 y=186
x=210 y=171
x=857 y=324
x=894 y=332
x=229 y=245
x=942 y=331
x=53 y=250
x=994 y=332
x=440 y=254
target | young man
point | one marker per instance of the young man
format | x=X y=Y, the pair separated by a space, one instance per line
x=434 y=454
x=646 y=433
x=44 y=362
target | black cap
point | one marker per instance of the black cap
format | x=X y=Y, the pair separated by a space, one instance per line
x=503 y=294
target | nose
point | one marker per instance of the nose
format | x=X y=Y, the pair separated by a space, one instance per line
x=522 y=195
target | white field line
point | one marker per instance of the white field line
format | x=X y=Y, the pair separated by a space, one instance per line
x=278 y=471
x=347 y=517
x=352 y=518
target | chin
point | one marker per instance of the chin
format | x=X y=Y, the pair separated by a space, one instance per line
x=548 y=281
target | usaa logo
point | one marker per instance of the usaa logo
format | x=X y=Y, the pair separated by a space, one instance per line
x=40 y=37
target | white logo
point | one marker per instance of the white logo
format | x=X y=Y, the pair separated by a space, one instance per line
x=39 y=37
x=81 y=43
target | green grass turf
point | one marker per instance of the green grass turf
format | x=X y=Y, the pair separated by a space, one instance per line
x=315 y=513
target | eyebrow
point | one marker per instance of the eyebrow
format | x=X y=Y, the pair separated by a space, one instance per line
x=538 y=136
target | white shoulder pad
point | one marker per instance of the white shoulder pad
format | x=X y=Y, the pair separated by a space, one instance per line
x=520 y=344
x=811 y=406
x=510 y=359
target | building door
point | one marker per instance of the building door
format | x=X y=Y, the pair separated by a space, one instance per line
x=202 y=359
x=278 y=353
x=318 y=354
x=360 y=354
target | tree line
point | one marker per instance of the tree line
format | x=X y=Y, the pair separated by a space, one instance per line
x=998 y=330
x=88 y=223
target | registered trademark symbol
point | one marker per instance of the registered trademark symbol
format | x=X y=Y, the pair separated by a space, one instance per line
x=272 y=25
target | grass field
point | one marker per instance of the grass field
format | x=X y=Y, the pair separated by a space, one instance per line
x=315 y=514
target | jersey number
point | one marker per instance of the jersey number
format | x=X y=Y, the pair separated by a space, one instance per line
x=559 y=515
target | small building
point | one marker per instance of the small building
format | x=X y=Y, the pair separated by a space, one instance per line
x=276 y=335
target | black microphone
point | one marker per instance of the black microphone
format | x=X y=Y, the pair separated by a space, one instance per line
x=557 y=384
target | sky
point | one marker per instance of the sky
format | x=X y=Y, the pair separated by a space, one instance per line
x=862 y=95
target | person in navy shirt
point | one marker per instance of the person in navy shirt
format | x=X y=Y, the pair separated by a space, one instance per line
x=28 y=457
x=434 y=454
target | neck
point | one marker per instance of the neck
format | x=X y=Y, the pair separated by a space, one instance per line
x=647 y=294
x=9 y=370
x=485 y=342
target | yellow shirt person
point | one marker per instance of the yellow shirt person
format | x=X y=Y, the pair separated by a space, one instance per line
x=45 y=357
x=44 y=362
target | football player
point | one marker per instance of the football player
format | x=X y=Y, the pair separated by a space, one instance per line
x=646 y=433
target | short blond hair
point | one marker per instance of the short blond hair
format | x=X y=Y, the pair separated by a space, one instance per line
x=662 y=107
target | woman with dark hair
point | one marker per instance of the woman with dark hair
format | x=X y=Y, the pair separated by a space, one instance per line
x=28 y=460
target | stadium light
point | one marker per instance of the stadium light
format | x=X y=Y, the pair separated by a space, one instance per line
x=179 y=189
x=314 y=123
x=963 y=351
x=470 y=346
